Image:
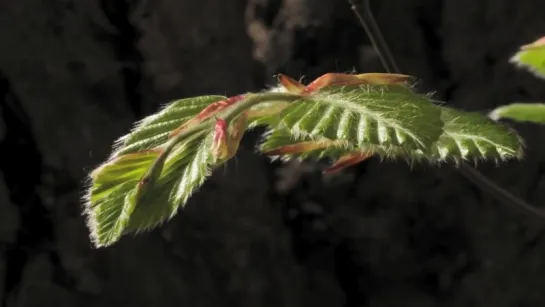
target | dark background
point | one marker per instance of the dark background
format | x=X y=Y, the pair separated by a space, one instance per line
x=74 y=75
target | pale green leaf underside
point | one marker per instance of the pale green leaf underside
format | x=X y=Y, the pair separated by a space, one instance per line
x=153 y=130
x=522 y=112
x=531 y=59
x=386 y=115
x=111 y=209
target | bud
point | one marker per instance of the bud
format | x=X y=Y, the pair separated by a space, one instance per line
x=346 y=161
x=291 y=85
x=226 y=140
x=237 y=132
x=220 y=148
x=329 y=79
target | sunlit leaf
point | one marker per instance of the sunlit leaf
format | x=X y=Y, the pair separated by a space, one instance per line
x=184 y=172
x=117 y=206
x=166 y=157
x=522 y=112
x=386 y=115
x=154 y=130
x=109 y=202
x=532 y=58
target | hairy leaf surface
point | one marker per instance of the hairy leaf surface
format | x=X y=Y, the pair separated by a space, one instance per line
x=184 y=172
x=471 y=136
x=113 y=208
x=522 y=112
x=110 y=204
x=466 y=136
x=154 y=130
x=386 y=115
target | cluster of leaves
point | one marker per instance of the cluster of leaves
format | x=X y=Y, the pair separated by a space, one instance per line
x=347 y=118
x=530 y=57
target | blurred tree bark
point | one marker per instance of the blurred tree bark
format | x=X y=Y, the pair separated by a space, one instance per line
x=74 y=75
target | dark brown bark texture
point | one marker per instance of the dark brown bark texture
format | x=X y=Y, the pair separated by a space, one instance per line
x=74 y=75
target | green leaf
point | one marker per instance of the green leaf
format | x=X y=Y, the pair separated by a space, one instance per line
x=154 y=130
x=472 y=136
x=466 y=136
x=385 y=115
x=185 y=170
x=532 y=58
x=117 y=204
x=522 y=112
x=109 y=199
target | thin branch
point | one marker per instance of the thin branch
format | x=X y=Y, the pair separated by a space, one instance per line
x=367 y=20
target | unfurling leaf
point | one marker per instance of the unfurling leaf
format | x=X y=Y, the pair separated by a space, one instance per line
x=385 y=115
x=532 y=58
x=522 y=112
x=154 y=130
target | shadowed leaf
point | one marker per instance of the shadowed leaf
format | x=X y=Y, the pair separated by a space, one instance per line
x=471 y=136
x=123 y=197
x=522 y=112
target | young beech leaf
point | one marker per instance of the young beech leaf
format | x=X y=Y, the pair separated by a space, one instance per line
x=522 y=112
x=184 y=171
x=472 y=136
x=264 y=114
x=109 y=199
x=123 y=198
x=532 y=58
x=386 y=115
x=154 y=130
x=466 y=136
